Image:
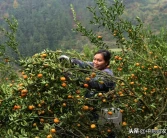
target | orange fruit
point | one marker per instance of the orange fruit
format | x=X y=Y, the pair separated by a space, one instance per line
x=116 y=57
x=121 y=111
x=87 y=79
x=42 y=112
x=104 y=100
x=119 y=69
x=137 y=64
x=142 y=67
x=43 y=55
x=53 y=130
x=144 y=88
x=77 y=91
x=108 y=130
x=91 y=108
x=120 y=92
x=93 y=74
x=62 y=78
x=124 y=123
x=49 y=136
x=86 y=85
x=25 y=76
x=78 y=125
x=93 y=126
x=42 y=102
x=63 y=84
x=24 y=91
x=42 y=120
x=23 y=94
x=99 y=37
x=132 y=75
x=56 y=120
x=39 y=75
x=22 y=72
x=77 y=96
x=34 y=124
x=155 y=67
x=69 y=97
x=16 y=107
x=132 y=83
x=85 y=107
x=21 y=84
x=31 y=107
x=135 y=100
x=100 y=94
x=64 y=104
x=110 y=112
x=119 y=58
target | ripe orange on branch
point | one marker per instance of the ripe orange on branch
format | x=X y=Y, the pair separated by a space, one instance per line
x=25 y=76
x=87 y=79
x=85 y=107
x=86 y=85
x=53 y=130
x=137 y=64
x=63 y=84
x=100 y=94
x=56 y=120
x=124 y=123
x=64 y=104
x=43 y=55
x=24 y=91
x=39 y=75
x=16 y=107
x=70 y=96
x=62 y=78
x=99 y=37
x=93 y=126
x=31 y=107
x=49 y=136
x=110 y=112
x=93 y=74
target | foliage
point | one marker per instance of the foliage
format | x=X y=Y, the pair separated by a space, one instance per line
x=47 y=24
x=8 y=43
x=43 y=93
x=141 y=65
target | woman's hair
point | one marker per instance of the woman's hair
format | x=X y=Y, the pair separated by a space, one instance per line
x=106 y=55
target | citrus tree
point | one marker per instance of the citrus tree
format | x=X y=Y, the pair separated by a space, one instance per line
x=140 y=68
x=49 y=100
x=8 y=43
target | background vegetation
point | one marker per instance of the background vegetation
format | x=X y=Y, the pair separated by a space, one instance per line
x=47 y=24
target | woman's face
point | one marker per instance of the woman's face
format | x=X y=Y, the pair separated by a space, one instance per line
x=99 y=62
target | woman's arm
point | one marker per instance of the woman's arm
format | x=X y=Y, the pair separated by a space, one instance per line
x=103 y=85
x=81 y=63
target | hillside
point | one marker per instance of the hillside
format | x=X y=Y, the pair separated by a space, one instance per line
x=48 y=24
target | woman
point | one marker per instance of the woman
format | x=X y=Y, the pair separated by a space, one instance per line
x=100 y=62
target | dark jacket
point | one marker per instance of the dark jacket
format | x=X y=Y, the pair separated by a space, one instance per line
x=94 y=85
